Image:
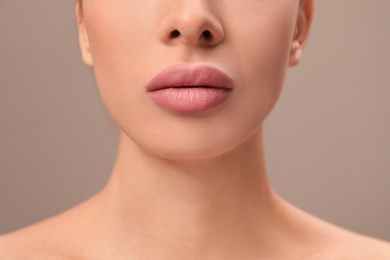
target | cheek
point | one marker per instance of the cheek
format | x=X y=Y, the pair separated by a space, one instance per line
x=119 y=46
x=118 y=39
x=261 y=47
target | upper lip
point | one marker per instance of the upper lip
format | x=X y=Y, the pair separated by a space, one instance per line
x=186 y=76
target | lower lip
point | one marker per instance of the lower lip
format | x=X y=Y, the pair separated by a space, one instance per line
x=190 y=99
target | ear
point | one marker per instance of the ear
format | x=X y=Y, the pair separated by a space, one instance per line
x=302 y=27
x=83 y=36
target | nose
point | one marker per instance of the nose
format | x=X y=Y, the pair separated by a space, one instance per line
x=190 y=22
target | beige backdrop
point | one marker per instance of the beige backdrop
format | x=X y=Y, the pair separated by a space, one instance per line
x=328 y=140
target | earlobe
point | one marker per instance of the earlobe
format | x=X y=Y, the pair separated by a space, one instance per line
x=83 y=36
x=301 y=33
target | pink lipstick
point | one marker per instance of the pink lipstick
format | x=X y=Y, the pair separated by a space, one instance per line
x=190 y=89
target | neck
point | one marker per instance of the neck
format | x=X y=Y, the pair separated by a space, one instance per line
x=186 y=206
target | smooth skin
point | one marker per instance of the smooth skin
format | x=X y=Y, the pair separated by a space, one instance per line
x=190 y=186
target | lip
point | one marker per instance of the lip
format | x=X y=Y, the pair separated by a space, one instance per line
x=190 y=89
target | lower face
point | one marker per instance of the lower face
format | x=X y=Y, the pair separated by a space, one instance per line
x=130 y=45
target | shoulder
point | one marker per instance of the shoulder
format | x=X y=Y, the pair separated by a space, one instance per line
x=59 y=237
x=329 y=241
x=44 y=240
x=362 y=247
x=47 y=239
x=346 y=245
x=22 y=244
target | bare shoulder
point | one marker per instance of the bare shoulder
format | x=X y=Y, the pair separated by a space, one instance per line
x=49 y=239
x=330 y=242
x=357 y=248
x=53 y=238
x=346 y=245
x=375 y=249
x=26 y=243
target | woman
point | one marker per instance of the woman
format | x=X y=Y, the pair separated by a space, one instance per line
x=190 y=83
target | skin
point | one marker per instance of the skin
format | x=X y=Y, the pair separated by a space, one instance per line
x=190 y=186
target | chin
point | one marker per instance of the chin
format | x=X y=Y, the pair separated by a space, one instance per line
x=192 y=145
x=187 y=153
x=181 y=147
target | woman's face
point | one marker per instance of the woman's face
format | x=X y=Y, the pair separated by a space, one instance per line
x=129 y=42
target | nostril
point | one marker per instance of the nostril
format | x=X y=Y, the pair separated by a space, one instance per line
x=207 y=34
x=175 y=34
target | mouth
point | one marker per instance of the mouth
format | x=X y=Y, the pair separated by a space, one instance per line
x=190 y=89
x=200 y=87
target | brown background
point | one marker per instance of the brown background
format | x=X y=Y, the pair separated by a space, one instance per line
x=328 y=139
